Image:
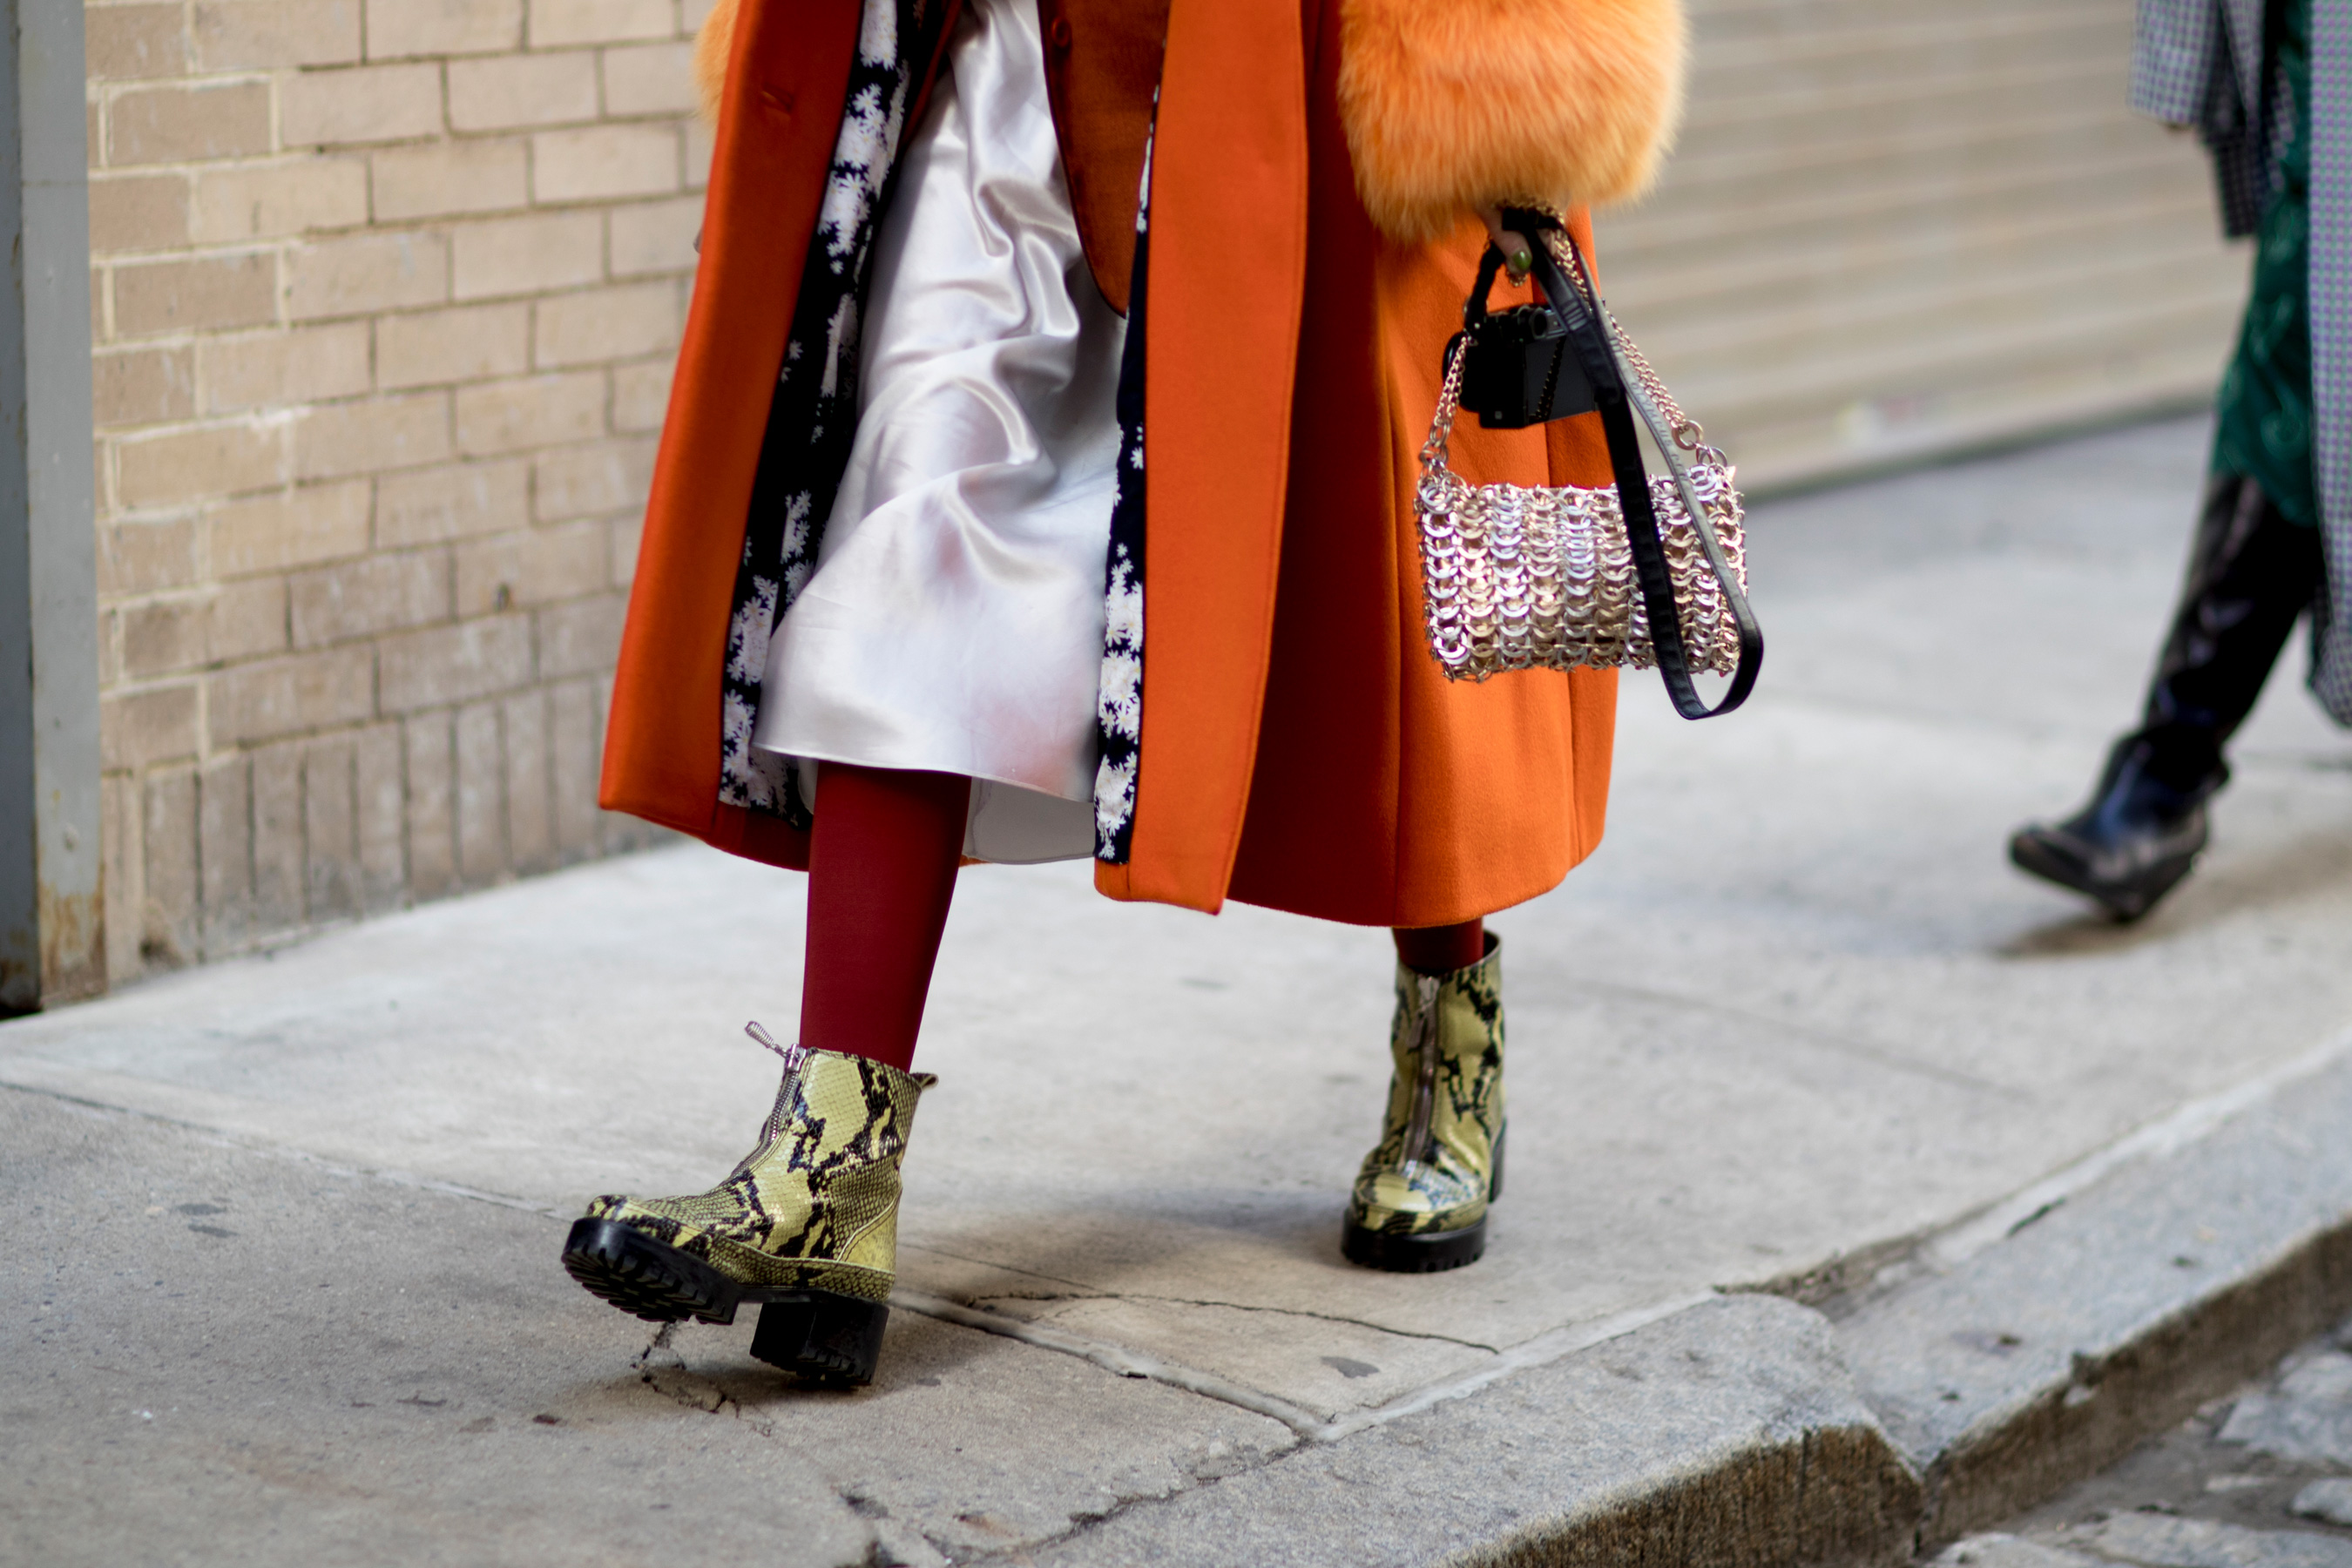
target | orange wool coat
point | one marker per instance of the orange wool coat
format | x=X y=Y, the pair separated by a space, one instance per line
x=1299 y=748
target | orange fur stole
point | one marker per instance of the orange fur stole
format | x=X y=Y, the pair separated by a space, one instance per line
x=1453 y=104
x=711 y=46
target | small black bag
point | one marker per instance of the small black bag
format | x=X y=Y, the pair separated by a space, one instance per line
x=1520 y=367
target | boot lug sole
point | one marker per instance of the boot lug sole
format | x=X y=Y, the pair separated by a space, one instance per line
x=1429 y=1252
x=819 y=1334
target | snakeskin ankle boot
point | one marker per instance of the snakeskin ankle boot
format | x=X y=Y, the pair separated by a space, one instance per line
x=1419 y=1203
x=807 y=1223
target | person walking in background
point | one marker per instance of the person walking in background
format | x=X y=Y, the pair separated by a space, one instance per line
x=2269 y=87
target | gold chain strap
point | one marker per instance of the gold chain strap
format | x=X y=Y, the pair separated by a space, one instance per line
x=1449 y=401
x=1686 y=431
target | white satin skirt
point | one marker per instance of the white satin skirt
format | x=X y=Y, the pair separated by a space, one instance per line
x=955 y=620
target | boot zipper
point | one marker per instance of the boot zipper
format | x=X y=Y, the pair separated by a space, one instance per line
x=1424 y=1093
x=794 y=1055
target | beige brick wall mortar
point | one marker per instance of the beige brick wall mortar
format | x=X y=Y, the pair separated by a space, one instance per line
x=384 y=294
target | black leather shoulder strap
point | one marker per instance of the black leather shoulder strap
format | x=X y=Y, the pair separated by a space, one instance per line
x=1577 y=308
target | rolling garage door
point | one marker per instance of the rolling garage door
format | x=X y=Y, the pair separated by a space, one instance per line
x=1896 y=228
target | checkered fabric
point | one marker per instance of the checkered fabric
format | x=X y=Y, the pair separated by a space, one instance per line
x=2194 y=63
x=2331 y=338
x=2201 y=62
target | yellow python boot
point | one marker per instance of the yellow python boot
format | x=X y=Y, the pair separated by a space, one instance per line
x=807 y=1223
x=1420 y=1201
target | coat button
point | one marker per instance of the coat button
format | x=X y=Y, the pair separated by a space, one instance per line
x=1060 y=32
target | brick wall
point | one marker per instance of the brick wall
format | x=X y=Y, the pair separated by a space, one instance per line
x=385 y=296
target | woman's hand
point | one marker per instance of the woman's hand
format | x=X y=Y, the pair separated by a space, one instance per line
x=1518 y=257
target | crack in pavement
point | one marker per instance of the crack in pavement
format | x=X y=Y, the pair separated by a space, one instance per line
x=662 y=1367
x=1238 y=1306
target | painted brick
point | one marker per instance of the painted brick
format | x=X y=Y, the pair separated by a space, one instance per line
x=139 y=729
x=442 y=178
x=138 y=211
x=602 y=162
x=375 y=593
x=654 y=237
x=109 y=648
x=213 y=291
x=247 y=619
x=372 y=103
x=504 y=92
x=170 y=911
x=399 y=29
x=119 y=865
x=165 y=636
x=259 y=34
x=265 y=201
x=572 y=765
x=330 y=847
x=283 y=369
x=448 y=665
x=629 y=322
x=300 y=528
x=543 y=411
x=190 y=465
x=582 y=637
x=531 y=567
x=641 y=395
x=555 y=23
x=480 y=778
x=288 y=696
x=225 y=840
x=366 y=272
x=124 y=42
x=184 y=124
x=142 y=385
x=652 y=79
x=343 y=438
x=379 y=795
x=451 y=503
x=526 y=254
x=628 y=534
x=700 y=140
x=469 y=343
x=430 y=826
x=530 y=827
x=278 y=870
x=370 y=454
x=144 y=557
x=585 y=481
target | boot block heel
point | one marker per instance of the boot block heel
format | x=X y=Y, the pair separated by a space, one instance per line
x=833 y=1339
x=644 y=1277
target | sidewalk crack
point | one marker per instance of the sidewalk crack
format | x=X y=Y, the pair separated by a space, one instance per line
x=1316 y=1317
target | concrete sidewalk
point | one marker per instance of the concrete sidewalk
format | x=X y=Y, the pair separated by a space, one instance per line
x=1797 y=1033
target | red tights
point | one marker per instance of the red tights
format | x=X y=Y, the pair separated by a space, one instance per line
x=882 y=867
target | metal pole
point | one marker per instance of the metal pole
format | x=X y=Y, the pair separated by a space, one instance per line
x=52 y=902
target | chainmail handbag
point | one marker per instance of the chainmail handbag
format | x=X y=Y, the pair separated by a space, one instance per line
x=1515 y=577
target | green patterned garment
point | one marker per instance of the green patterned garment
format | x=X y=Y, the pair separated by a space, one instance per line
x=2265 y=430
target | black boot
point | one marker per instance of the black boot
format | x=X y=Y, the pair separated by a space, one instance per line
x=2252 y=572
x=2131 y=844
